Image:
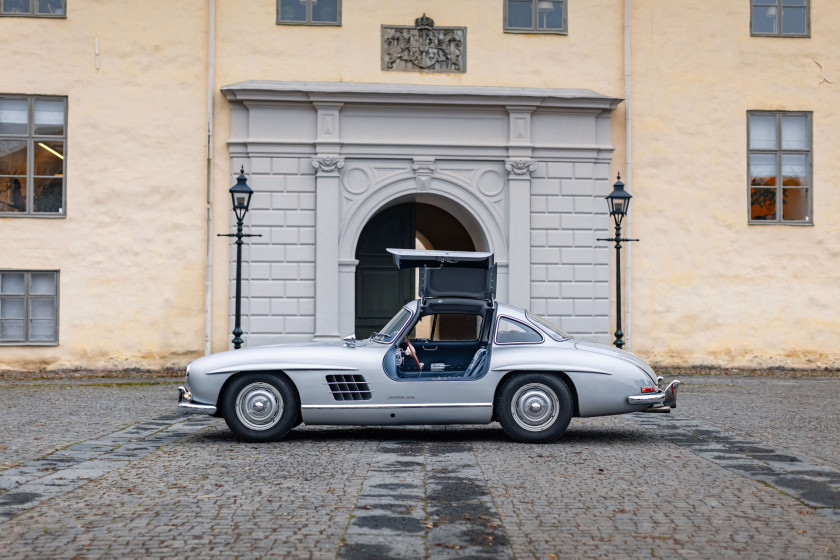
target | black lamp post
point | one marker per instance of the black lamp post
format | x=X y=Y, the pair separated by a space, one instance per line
x=619 y=203
x=240 y=196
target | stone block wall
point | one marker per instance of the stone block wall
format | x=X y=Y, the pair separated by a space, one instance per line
x=570 y=269
x=278 y=270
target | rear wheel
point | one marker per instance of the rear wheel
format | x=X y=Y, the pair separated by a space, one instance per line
x=260 y=407
x=534 y=407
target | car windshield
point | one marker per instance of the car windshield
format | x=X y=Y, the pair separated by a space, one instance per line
x=393 y=327
x=550 y=328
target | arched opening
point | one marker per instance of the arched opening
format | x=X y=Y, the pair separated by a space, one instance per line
x=380 y=288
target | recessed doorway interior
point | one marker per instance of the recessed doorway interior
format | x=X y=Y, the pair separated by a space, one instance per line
x=380 y=288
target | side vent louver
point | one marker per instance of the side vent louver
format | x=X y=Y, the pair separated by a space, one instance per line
x=349 y=387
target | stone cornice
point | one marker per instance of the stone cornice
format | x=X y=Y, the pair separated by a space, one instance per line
x=342 y=92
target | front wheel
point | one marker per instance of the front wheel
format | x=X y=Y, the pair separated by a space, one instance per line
x=260 y=407
x=534 y=408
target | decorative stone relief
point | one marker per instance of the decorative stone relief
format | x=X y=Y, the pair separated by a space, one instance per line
x=327 y=164
x=519 y=167
x=424 y=47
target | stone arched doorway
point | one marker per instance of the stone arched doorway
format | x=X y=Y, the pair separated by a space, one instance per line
x=380 y=287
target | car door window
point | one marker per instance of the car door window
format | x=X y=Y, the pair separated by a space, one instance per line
x=510 y=331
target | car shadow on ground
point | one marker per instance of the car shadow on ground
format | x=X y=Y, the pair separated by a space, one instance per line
x=575 y=435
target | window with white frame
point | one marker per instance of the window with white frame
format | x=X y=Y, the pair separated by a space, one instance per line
x=28 y=307
x=536 y=16
x=309 y=12
x=33 y=132
x=779 y=175
x=780 y=18
x=33 y=8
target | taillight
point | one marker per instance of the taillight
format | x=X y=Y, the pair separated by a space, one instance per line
x=648 y=389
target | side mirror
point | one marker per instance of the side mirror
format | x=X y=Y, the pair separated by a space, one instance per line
x=350 y=340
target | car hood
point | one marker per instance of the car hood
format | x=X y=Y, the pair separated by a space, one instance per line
x=616 y=353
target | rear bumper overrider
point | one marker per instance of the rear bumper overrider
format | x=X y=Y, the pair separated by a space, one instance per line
x=663 y=400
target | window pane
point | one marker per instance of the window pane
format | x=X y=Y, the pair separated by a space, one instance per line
x=11 y=308
x=47 y=195
x=54 y=7
x=325 y=10
x=49 y=117
x=794 y=2
x=762 y=204
x=14 y=116
x=794 y=170
x=11 y=329
x=12 y=194
x=765 y=2
x=16 y=6
x=795 y=132
x=11 y=283
x=764 y=19
x=762 y=132
x=457 y=327
x=42 y=309
x=49 y=158
x=42 y=329
x=13 y=157
x=794 y=20
x=511 y=332
x=549 y=14
x=520 y=13
x=292 y=10
x=795 y=204
x=762 y=170
x=42 y=283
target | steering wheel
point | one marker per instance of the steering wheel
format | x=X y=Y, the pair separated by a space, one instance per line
x=413 y=354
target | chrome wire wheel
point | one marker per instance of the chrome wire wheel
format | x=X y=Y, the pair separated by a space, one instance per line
x=534 y=407
x=259 y=406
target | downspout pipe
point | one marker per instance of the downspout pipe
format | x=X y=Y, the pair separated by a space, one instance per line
x=208 y=265
x=628 y=180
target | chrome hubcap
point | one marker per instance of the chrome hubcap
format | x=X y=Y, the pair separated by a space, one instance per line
x=259 y=406
x=535 y=407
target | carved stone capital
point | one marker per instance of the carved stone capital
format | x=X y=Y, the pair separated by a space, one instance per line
x=423 y=169
x=520 y=167
x=327 y=164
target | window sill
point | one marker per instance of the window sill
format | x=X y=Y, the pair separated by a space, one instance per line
x=537 y=32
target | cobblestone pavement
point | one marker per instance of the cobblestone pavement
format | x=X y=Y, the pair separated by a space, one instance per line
x=746 y=467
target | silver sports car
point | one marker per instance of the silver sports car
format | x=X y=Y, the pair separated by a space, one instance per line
x=453 y=356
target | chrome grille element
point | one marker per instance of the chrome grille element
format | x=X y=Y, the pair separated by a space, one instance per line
x=349 y=387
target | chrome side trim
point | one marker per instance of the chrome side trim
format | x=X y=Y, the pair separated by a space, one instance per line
x=395 y=405
x=281 y=366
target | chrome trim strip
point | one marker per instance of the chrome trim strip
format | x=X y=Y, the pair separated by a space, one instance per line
x=395 y=405
x=281 y=366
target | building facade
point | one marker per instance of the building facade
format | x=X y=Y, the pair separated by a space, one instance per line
x=494 y=125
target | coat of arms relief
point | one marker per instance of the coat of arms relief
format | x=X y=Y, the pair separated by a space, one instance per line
x=424 y=47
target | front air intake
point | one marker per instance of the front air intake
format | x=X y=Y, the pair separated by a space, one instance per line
x=349 y=388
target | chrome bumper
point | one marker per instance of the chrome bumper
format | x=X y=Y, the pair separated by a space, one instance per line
x=186 y=406
x=665 y=399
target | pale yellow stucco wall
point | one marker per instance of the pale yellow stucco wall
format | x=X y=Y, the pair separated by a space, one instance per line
x=707 y=288
x=131 y=248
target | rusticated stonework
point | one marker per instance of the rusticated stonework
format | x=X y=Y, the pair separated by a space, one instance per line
x=424 y=47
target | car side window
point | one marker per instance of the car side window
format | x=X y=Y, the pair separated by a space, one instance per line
x=509 y=331
x=448 y=327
